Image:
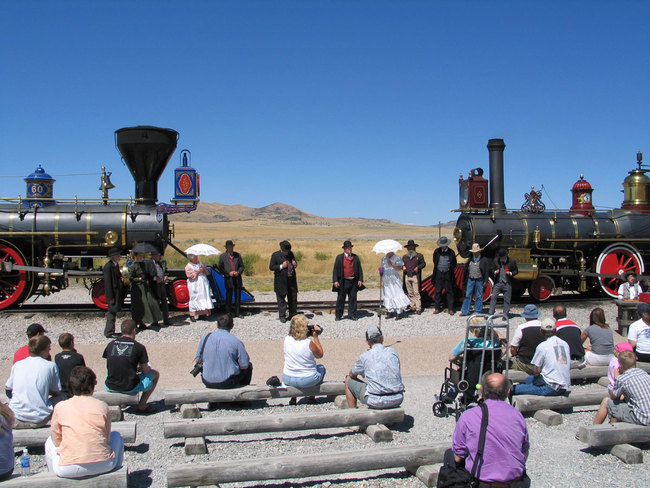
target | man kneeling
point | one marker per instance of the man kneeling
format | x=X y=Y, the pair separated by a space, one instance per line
x=380 y=367
x=81 y=441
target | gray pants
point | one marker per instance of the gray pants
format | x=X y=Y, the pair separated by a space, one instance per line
x=506 y=289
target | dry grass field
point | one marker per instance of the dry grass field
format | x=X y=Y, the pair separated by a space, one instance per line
x=315 y=246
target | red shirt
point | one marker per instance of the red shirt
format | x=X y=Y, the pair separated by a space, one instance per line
x=23 y=353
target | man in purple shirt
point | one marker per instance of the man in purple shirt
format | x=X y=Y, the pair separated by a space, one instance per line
x=506 y=441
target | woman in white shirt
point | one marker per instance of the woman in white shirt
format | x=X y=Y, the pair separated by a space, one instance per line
x=300 y=353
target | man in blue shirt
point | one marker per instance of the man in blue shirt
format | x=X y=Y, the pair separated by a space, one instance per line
x=225 y=360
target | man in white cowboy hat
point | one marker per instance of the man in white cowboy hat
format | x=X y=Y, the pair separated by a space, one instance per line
x=231 y=267
x=414 y=263
x=444 y=264
x=478 y=273
x=347 y=279
x=631 y=289
x=526 y=339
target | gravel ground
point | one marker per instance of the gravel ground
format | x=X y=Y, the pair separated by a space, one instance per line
x=556 y=459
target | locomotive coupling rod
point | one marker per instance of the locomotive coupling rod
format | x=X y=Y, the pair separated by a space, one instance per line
x=9 y=266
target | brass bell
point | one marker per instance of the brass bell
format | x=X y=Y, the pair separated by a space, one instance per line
x=106 y=184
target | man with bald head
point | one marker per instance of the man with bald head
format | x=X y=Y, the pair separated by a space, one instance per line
x=506 y=440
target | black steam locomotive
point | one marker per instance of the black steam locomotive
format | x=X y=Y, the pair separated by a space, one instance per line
x=579 y=249
x=44 y=240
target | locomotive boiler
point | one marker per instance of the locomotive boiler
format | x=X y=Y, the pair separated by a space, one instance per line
x=580 y=249
x=44 y=240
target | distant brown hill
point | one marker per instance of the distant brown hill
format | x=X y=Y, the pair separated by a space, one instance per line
x=275 y=212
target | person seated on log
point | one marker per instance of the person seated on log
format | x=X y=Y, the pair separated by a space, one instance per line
x=506 y=440
x=638 y=335
x=613 y=370
x=225 y=361
x=380 y=366
x=32 y=331
x=301 y=349
x=526 y=339
x=6 y=442
x=552 y=369
x=629 y=401
x=67 y=359
x=631 y=289
x=601 y=339
x=81 y=442
x=31 y=383
x=128 y=367
x=570 y=332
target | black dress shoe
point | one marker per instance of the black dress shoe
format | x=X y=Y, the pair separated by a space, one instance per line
x=352 y=317
x=167 y=322
x=337 y=318
x=192 y=319
x=283 y=319
x=113 y=335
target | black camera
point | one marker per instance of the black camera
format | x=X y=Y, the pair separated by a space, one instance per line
x=198 y=368
x=311 y=330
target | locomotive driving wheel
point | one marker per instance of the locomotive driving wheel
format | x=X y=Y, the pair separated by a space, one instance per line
x=15 y=285
x=178 y=294
x=617 y=259
x=541 y=288
x=98 y=294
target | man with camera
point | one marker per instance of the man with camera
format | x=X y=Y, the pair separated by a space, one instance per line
x=380 y=367
x=222 y=359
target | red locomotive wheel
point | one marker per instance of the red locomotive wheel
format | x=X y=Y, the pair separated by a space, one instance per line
x=178 y=294
x=14 y=285
x=617 y=260
x=487 y=290
x=541 y=288
x=98 y=294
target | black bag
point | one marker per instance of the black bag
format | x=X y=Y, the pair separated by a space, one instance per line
x=458 y=476
x=198 y=366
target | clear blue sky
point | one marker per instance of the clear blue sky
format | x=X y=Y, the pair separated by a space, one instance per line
x=340 y=108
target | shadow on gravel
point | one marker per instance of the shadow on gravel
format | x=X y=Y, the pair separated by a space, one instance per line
x=405 y=425
x=401 y=475
x=139 y=449
x=141 y=478
x=232 y=440
x=159 y=405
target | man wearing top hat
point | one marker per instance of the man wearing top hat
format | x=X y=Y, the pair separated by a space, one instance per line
x=414 y=263
x=113 y=291
x=505 y=269
x=158 y=272
x=347 y=279
x=231 y=267
x=478 y=273
x=283 y=264
x=444 y=263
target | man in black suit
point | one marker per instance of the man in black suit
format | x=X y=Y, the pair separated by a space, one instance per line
x=113 y=291
x=347 y=278
x=444 y=264
x=158 y=272
x=231 y=267
x=283 y=264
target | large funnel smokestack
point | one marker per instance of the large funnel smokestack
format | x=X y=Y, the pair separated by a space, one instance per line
x=497 y=199
x=146 y=151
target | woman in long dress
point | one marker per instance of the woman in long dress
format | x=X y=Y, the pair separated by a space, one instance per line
x=395 y=300
x=199 y=288
x=144 y=304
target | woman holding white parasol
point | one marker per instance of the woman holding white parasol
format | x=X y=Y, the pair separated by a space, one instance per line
x=395 y=300
x=197 y=281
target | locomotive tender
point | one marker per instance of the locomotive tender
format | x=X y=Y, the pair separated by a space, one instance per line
x=44 y=240
x=579 y=249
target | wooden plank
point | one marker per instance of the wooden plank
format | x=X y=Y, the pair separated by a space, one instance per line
x=379 y=433
x=532 y=403
x=627 y=453
x=252 y=392
x=114 y=479
x=590 y=372
x=115 y=413
x=190 y=411
x=280 y=423
x=286 y=467
x=37 y=437
x=195 y=445
x=341 y=401
x=548 y=417
x=116 y=398
x=613 y=434
x=427 y=474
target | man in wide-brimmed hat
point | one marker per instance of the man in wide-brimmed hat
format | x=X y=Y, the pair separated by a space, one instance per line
x=347 y=279
x=113 y=290
x=631 y=289
x=444 y=264
x=414 y=263
x=504 y=268
x=478 y=273
x=231 y=267
x=283 y=264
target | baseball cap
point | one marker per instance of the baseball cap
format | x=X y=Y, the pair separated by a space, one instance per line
x=548 y=324
x=643 y=307
x=623 y=346
x=34 y=329
x=373 y=332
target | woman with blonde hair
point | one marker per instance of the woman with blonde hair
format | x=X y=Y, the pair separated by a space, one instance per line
x=301 y=349
x=601 y=338
x=6 y=442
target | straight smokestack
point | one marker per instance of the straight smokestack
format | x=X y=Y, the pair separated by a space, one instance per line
x=497 y=199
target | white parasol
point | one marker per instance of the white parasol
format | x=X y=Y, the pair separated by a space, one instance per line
x=202 y=250
x=386 y=246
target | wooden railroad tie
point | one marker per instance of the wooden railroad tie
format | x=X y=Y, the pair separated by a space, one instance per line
x=113 y=479
x=616 y=438
x=37 y=437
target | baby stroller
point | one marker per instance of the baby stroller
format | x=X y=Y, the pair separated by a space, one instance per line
x=482 y=351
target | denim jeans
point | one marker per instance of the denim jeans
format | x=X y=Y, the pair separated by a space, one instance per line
x=528 y=388
x=305 y=381
x=473 y=287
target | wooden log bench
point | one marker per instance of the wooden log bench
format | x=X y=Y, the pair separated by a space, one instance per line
x=587 y=373
x=115 y=402
x=363 y=418
x=617 y=438
x=37 y=437
x=251 y=392
x=533 y=403
x=114 y=479
x=301 y=466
